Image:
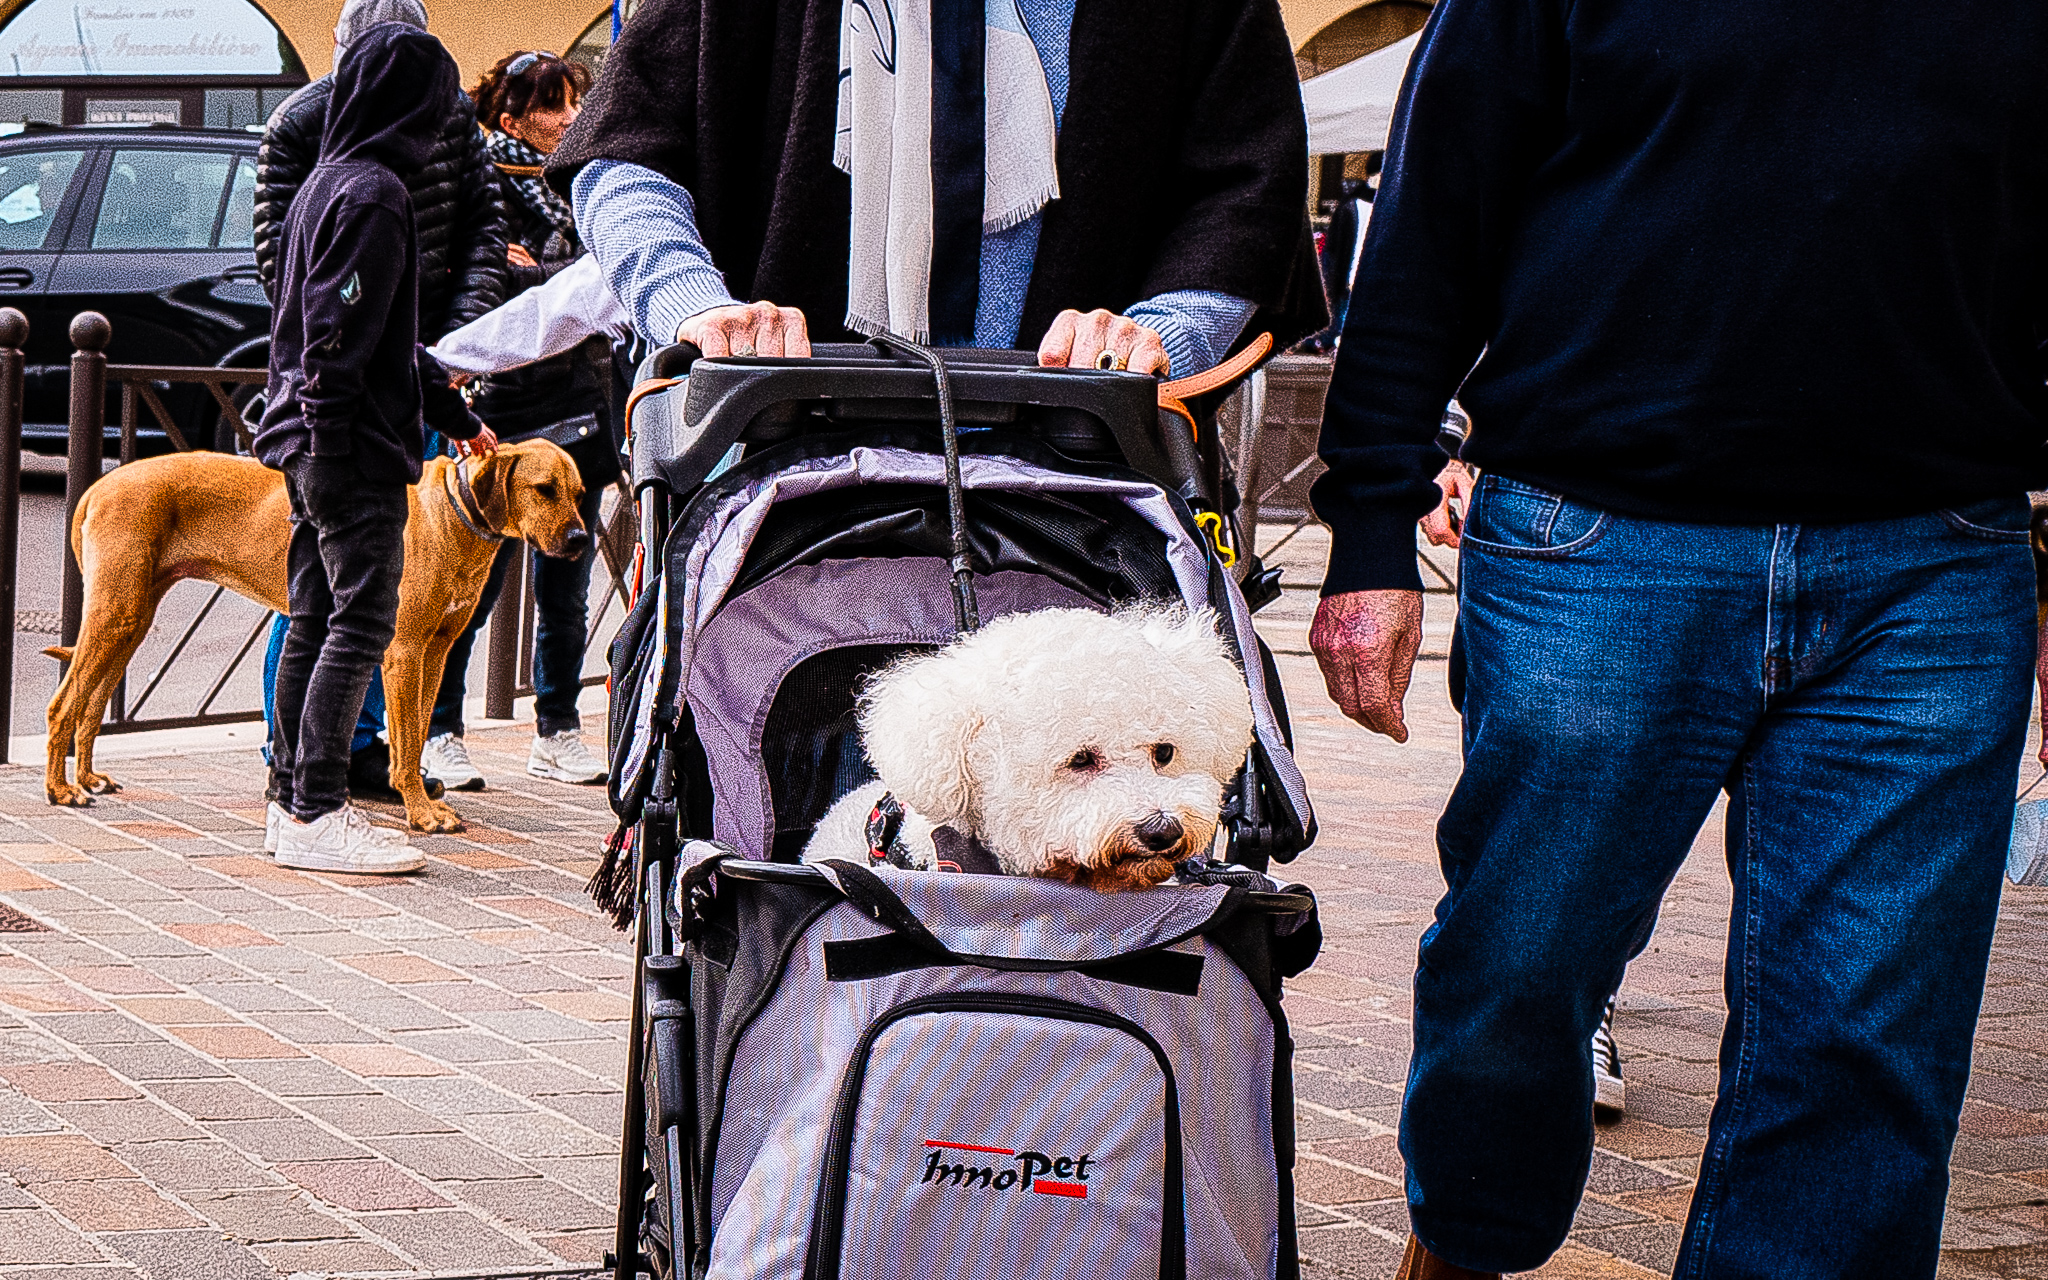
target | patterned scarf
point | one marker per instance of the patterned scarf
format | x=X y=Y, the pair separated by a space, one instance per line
x=521 y=165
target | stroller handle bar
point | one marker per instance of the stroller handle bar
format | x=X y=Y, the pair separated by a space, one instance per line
x=804 y=875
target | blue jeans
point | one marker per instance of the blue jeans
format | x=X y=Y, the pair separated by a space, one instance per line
x=561 y=608
x=1861 y=692
x=369 y=723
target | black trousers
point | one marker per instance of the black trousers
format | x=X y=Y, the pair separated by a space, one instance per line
x=347 y=556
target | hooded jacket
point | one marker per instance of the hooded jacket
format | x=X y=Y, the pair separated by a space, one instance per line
x=454 y=195
x=347 y=373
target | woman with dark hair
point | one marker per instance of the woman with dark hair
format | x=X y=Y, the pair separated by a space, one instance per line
x=525 y=103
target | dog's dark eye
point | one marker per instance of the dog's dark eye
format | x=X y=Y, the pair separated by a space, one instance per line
x=1162 y=753
x=1083 y=760
x=546 y=491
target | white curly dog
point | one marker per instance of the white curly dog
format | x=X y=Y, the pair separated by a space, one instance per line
x=1069 y=744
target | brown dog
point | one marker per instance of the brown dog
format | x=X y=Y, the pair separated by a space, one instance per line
x=226 y=520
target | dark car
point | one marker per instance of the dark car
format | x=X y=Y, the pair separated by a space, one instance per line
x=153 y=228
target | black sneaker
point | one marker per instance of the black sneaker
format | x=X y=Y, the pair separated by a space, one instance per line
x=1610 y=1095
x=369 y=776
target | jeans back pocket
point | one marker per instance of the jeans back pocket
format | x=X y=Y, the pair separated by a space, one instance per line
x=1993 y=519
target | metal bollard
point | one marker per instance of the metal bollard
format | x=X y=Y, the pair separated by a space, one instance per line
x=13 y=334
x=90 y=334
x=501 y=665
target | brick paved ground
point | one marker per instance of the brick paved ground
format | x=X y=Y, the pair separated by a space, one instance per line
x=216 y=1068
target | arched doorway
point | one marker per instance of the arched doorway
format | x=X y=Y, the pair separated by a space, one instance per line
x=1366 y=29
x=221 y=63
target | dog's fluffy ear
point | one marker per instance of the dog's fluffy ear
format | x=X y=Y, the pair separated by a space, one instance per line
x=918 y=718
x=1191 y=640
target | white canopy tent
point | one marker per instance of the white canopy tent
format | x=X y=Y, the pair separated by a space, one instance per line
x=1352 y=108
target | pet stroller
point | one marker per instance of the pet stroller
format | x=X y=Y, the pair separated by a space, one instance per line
x=838 y=1070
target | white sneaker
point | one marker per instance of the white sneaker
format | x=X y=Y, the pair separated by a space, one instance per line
x=344 y=840
x=445 y=757
x=563 y=757
x=272 y=817
x=1610 y=1094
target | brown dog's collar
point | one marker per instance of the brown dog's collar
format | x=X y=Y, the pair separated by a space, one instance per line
x=460 y=496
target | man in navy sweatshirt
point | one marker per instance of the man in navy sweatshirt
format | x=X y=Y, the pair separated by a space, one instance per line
x=348 y=381
x=1746 y=302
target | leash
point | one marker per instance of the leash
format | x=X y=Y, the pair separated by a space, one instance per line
x=463 y=498
x=966 y=609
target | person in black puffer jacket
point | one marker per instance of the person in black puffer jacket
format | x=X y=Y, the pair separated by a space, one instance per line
x=456 y=208
x=527 y=102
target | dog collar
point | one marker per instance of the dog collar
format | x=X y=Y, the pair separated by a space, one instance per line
x=460 y=496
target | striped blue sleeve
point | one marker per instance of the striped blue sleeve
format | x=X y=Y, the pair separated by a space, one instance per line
x=1196 y=326
x=642 y=229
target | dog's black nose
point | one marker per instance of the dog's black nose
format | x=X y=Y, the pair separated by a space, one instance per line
x=1159 y=832
x=575 y=544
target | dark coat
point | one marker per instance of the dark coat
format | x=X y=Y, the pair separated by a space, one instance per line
x=1183 y=154
x=454 y=196
x=347 y=373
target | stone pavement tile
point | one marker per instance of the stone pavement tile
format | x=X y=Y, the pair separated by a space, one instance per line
x=229 y=1043
x=535 y=1137
x=1639 y=1139
x=1351 y=1251
x=30 y=1236
x=399 y=968
x=535 y=1077
x=301 y=1078
x=466 y=997
x=1672 y=1204
x=136 y=1120
x=189 y=1255
x=361 y=1185
x=47 y=998
x=441 y=1157
x=195 y=1166
x=374 y=1116
x=67 y=1082
x=375 y=1060
x=534 y=1204
x=153 y=1062
x=116 y=1204
x=601 y=1112
x=587 y=1247
x=267 y=1216
x=470 y=1047
x=220 y=1100
x=594 y=1176
x=116 y=979
x=216 y=937
x=313 y=1028
x=446 y=1239
x=1574 y=1262
x=57 y=1157
x=455 y=1096
x=1985 y=1120
x=587 y=1006
x=20 y=1114
x=1649 y=1244
x=528 y=978
x=1320 y=1182
x=290 y=1139
x=1381 y=1154
x=393 y=1013
x=253 y=997
x=97 y=1028
x=330 y=1257
x=174 y=1011
x=605 y=1059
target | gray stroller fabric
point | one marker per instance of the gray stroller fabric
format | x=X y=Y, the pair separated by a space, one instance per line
x=953 y=1118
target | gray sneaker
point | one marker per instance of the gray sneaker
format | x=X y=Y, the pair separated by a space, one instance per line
x=445 y=757
x=272 y=816
x=1610 y=1095
x=563 y=757
x=345 y=841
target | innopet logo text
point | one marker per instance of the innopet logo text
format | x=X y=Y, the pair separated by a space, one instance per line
x=1069 y=1173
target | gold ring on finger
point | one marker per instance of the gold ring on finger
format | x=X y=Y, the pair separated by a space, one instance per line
x=1114 y=360
x=744 y=349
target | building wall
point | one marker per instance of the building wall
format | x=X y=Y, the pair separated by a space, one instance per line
x=477 y=32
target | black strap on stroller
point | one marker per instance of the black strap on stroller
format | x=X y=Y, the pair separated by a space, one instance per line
x=965 y=609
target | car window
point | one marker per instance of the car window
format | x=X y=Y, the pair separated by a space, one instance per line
x=31 y=187
x=161 y=200
x=238 y=225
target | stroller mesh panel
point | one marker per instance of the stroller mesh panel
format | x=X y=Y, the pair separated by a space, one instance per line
x=810 y=749
x=1087 y=542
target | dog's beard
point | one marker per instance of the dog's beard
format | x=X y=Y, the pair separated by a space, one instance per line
x=1122 y=861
